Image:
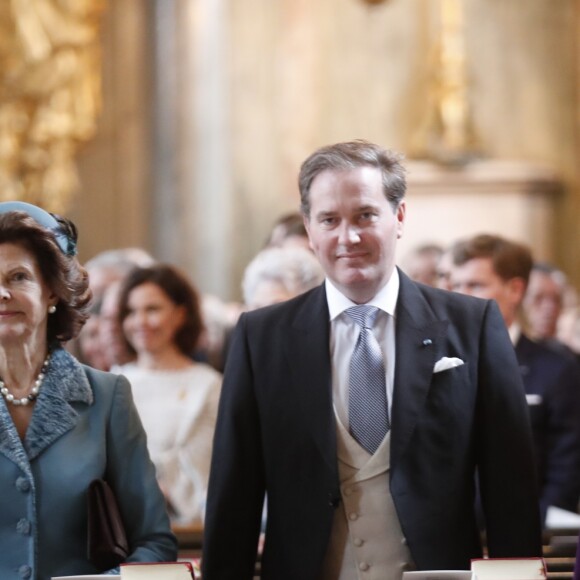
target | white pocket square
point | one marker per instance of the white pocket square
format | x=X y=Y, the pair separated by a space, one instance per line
x=534 y=400
x=447 y=363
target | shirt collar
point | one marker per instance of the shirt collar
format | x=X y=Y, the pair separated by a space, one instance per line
x=515 y=331
x=385 y=299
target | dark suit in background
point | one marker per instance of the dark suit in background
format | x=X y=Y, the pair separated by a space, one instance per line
x=492 y=267
x=552 y=385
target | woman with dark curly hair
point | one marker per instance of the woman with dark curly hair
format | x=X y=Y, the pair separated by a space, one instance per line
x=62 y=424
x=177 y=398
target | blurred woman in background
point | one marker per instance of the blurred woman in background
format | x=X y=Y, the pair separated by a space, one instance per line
x=177 y=398
x=278 y=274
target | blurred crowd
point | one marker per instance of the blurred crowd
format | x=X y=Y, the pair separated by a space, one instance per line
x=150 y=323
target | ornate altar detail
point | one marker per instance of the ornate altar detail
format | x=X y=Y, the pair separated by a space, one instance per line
x=49 y=96
x=446 y=134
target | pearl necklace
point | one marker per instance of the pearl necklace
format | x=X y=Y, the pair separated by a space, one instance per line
x=10 y=398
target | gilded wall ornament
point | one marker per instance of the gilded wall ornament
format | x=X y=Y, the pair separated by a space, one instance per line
x=49 y=96
x=446 y=134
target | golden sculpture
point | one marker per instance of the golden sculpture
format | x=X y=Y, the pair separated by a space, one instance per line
x=447 y=134
x=49 y=96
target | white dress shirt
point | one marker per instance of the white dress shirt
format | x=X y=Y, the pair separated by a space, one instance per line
x=344 y=332
x=515 y=331
x=366 y=541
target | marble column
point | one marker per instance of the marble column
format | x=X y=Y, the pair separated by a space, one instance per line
x=192 y=217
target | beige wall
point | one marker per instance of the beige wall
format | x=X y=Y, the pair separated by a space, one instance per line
x=258 y=84
x=112 y=208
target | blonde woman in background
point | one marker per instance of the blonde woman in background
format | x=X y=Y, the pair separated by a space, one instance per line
x=279 y=273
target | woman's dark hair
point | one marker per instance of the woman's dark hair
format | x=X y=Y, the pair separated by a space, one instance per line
x=62 y=273
x=179 y=290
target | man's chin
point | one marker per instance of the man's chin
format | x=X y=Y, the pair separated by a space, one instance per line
x=355 y=281
x=355 y=276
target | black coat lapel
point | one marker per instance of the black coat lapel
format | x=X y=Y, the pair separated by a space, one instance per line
x=418 y=341
x=308 y=352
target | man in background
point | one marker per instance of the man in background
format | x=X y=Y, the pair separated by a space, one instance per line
x=544 y=305
x=420 y=264
x=492 y=267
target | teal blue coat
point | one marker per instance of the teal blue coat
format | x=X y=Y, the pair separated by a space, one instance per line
x=84 y=426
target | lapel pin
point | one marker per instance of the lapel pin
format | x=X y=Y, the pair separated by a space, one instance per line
x=427 y=342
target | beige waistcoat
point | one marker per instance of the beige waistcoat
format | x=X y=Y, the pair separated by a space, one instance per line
x=366 y=541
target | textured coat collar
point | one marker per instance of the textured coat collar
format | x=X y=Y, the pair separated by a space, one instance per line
x=65 y=383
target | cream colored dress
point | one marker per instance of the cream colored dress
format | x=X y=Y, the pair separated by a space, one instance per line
x=178 y=410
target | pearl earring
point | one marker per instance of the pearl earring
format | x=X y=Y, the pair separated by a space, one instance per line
x=52 y=309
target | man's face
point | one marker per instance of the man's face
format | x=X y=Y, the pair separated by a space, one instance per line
x=543 y=304
x=478 y=278
x=444 y=267
x=353 y=230
x=110 y=333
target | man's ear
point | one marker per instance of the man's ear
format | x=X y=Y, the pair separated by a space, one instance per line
x=306 y=220
x=401 y=214
x=517 y=290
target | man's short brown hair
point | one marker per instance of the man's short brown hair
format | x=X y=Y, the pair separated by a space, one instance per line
x=509 y=259
x=350 y=155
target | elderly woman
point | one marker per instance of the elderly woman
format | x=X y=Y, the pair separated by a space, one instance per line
x=278 y=274
x=62 y=424
x=177 y=398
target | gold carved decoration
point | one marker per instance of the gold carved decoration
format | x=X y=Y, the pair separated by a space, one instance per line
x=49 y=96
x=447 y=134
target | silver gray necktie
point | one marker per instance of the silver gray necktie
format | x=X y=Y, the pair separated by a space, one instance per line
x=367 y=396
